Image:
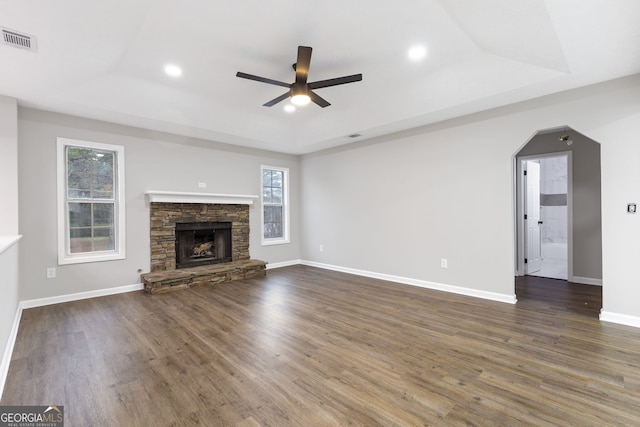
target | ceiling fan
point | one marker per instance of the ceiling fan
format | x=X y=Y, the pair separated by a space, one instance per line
x=301 y=91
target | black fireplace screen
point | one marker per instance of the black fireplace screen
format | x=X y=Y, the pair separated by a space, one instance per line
x=201 y=243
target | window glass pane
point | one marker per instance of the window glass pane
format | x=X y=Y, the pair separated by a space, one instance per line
x=273 y=222
x=268 y=214
x=90 y=173
x=276 y=179
x=102 y=186
x=266 y=178
x=79 y=214
x=103 y=162
x=276 y=195
x=79 y=194
x=272 y=231
x=266 y=195
x=91 y=227
x=80 y=240
x=79 y=159
x=103 y=239
x=78 y=184
x=103 y=214
x=277 y=214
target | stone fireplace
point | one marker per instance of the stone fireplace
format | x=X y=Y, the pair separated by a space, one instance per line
x=195 y=242
x=167 y=217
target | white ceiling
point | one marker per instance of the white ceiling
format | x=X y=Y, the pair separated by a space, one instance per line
x=104 y=59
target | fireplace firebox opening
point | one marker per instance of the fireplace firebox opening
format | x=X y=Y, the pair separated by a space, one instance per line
x=202 y=243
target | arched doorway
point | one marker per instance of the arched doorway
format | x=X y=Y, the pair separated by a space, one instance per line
x=540 y=236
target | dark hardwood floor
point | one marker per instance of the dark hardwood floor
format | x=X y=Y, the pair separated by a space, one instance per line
x=311 y=347
x=539 y=292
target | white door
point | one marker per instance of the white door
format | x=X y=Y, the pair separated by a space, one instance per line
x=533 y=245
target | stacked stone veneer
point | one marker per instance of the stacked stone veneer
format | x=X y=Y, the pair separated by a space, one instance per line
x=164 y=217
x=165 y=277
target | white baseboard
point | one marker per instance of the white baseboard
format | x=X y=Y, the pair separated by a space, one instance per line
x=510 y=299
x=80 y=295
x=283 y=264
x=8 y=351
x=623 y=319
x=586 y=281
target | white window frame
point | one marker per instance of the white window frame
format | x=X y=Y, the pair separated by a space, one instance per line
x=64 y=253
x=285 y=207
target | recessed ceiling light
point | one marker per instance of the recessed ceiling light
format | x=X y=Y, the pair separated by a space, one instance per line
x=173 y=70
x=417 y=52
x=289 y=108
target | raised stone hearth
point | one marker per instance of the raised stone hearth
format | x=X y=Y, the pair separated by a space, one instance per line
x=166 y=281
x=169 y=209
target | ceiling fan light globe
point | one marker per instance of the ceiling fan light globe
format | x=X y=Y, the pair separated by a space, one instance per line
x=300 y=99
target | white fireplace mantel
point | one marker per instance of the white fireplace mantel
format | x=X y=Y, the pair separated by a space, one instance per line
x=154 y=196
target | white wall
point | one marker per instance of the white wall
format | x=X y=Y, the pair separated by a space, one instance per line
x=398 y=204
x=8 y=166
x=553 y=180
x=154 y=161
x=8 y=304
x=9 y=285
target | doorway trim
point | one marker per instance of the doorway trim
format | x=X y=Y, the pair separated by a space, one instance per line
x=520 y=209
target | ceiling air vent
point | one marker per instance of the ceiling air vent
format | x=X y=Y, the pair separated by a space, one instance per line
x=17 y=39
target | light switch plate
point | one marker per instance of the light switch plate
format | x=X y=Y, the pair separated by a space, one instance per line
x=631 y=208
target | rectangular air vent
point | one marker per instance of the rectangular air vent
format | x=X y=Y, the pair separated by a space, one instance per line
x=17 y=39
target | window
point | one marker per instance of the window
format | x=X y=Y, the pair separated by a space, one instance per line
x=90 y=202
x=275 y=209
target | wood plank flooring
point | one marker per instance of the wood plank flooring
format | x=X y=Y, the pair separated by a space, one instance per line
x=311 y=347
x=539 y=292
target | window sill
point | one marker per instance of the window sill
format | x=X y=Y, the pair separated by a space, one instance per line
x=273 y=242
x=80 y=259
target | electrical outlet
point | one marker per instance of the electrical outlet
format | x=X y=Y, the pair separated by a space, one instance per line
x=444 y=263
x=202 y=185
x=321 y=248
x=51 y=273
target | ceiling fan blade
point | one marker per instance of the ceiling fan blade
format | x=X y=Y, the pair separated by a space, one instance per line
x=318 y=99
x=274 y=101
x=334 y=82
x=302 y=64
x=262 y=79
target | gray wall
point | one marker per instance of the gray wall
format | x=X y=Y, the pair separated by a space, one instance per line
x=9 y=278
x=8 y=304
x=154 y=161
x=393 y=205
x=398 y=204
x=8 y=166
x=587 y=218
